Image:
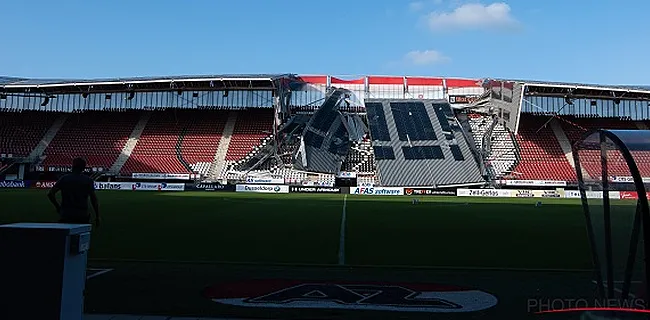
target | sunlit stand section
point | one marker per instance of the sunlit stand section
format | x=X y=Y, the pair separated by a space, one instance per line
x=43 y=270
x=615 y=206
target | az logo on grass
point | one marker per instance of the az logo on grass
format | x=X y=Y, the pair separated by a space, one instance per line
x=400 y=297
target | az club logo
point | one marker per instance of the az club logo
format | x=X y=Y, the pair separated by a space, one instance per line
x=401 y=297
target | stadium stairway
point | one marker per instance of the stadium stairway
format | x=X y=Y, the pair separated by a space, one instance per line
x=220 y=156
x=49 y=136
x=130 y=144
x=565 y=144
x=503 y=150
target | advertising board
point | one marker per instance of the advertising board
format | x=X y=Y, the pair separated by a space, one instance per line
x=161 y=176
x=212 y=186
x=256 y=180
x=627 y=179
x=533 y=183
x=140 y=186
x=462 y=99
x=262 y=188
x=575 y=194
x=631 y=195
x=13 y=184
x=428 y=192
x=536 y=194
x=487 y=193
x=296 y=189
x=377 y=191
x=43 y=184
x=345 y=174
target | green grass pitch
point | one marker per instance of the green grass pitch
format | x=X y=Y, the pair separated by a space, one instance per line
x=305 y=229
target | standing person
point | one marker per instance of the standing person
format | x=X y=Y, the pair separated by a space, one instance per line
x=75 y=189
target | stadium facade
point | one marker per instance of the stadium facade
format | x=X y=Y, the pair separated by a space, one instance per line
x=311 y=130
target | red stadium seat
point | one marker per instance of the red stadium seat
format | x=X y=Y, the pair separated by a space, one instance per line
x=20 y=132
x=575 y=128
x=155 y=152
x=252 y=127
x=541 y=155
x=97 y=136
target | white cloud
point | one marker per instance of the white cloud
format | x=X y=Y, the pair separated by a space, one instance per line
x=426 y=57
x=416 y=5
x=473 y=16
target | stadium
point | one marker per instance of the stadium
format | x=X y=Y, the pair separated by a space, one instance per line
x=220 y=191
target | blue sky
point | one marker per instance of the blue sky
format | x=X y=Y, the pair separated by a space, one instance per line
x=590 y=41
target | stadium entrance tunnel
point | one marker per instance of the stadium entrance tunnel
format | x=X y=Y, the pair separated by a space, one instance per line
x=610 y=166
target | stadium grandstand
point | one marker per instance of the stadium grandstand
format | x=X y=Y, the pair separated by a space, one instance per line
x=311 y=130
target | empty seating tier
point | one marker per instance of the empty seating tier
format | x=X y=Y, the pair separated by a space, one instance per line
x=252 y=126
x=202 y=137
x=542 y=157
x=575 y=128
x=97 y=136
x=20 y=132
x=171 y=133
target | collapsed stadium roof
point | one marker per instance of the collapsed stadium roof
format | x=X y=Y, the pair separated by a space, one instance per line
x=18 y=82
x=272 y=82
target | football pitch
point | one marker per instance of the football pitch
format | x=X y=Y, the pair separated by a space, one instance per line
x=216 y=254
x=327 y=229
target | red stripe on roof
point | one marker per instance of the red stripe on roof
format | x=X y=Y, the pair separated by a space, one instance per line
x=385 y=80
x=353 y=81
x=464 y=83
x=314 y=79
x=417 y=81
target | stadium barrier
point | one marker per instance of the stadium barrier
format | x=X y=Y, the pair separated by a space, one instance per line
x=371 y=191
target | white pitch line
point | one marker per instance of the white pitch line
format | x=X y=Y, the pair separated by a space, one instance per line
x=98 y=273
x=617 y=289
x=342 y=232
